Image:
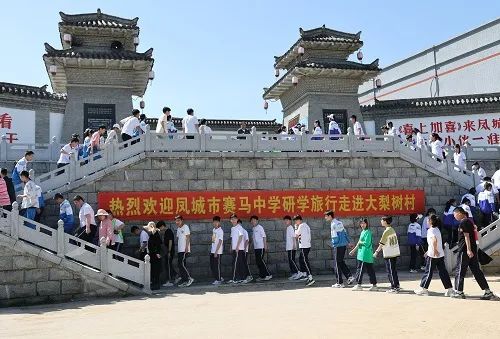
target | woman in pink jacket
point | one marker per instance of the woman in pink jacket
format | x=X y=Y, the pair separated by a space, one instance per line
x=106 y=234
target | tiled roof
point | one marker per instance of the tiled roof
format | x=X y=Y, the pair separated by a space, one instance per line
x=97 y=19
x=472 y=99
x=326 y=34
x=322 y=35
x=114 y=54
x=339 y=64
x=29 y=91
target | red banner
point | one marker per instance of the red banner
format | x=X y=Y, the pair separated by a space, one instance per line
x=266 y=204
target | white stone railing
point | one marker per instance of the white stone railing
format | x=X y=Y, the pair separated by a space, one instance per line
x=43 y=152
x=489 y=238
x=64 y=245
x=67 y=177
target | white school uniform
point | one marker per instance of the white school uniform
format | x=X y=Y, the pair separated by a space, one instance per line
x=236 y=233
x=303 y=232
x=258 y=237
x=290 y=240
x=182 y=233
x=217 y=235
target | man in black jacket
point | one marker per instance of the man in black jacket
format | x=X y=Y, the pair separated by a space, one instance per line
x=10 y=187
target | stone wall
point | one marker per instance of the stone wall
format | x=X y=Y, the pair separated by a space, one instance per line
x=226 y=171
x=29 y=275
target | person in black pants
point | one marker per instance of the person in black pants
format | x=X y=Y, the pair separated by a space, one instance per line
x=467 y=257
x=216 y=247
x=168 y=241
x=10 y=188
x=154 y=249
x=435 y=258
x=130 y=125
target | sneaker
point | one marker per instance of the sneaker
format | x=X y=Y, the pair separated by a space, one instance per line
x=373 y=288
x=177 y=280
x=231 y=281
x=298 y=276
x=350 y=280
x=168 y=284
x=189 y=282
x=357 y=287
x=421 y=291
x=221 y=279
x=259 y=279
x=303 y=277
x=269 y=277
x=184 y=284
x=393 y=290
x=487 y=295
x=249 y=278
x=216 y=282
x=449 y=292
x=413 y=271
x=293 y=276
x=422 y=268
x=338 y=286
x=243 y=282
x=310 y=281
x=458 y=295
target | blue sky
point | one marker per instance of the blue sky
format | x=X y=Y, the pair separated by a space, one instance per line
x=216 y=56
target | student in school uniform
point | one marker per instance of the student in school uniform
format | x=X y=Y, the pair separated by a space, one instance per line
x=216 y=248
x=414 y=241
x=340 y=240
x=467 y=257
x=435 y=258
x=303 y=234
x=143 y=241
x=486 y=202
x=246 y=239
x=260 y=247
x=168 y=241
x=238 y=250
x=183 y=249
x=425 y=227
x=365 y=257
x=390 y=246
x=291 y=247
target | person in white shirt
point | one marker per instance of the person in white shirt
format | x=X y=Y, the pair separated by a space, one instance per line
x=142 y=124
x=291 y=247
x=435 y=258
x=478 y=171
x=303 y=234
x=437 y=146
x=356 y=125
x=118 y=227
x=317 y=130
x=484 y=181
x=495 y=179
x=30 y=198
x=471 y=196
x=190 y=124
x=216 y=248
x=112 y=137
x=143 y=241
x=21 y=165
x=86 y=215
x=392 y=129
x=459 y=158
x=66 y=151
x=130 y=125
x=419 y=139
x=161 y=125
x=246 y=239
x=260 y=248
x=183 y=249
x=238 y=249
x=204 y=129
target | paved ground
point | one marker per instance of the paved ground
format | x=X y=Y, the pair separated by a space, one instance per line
x=280 y=309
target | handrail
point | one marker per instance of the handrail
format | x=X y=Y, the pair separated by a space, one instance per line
x=68 y=246
x=489 y=237
x=113 y=154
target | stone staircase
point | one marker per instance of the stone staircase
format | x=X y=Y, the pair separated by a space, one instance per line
x=103 y=268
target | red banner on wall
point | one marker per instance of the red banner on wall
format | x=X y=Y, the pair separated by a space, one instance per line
x=265 y=204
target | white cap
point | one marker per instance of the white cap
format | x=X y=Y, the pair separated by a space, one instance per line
x=116 y=126
x=331 y=116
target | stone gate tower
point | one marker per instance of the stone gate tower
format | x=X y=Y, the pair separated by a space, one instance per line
x=99 y=69
x=319 y=80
